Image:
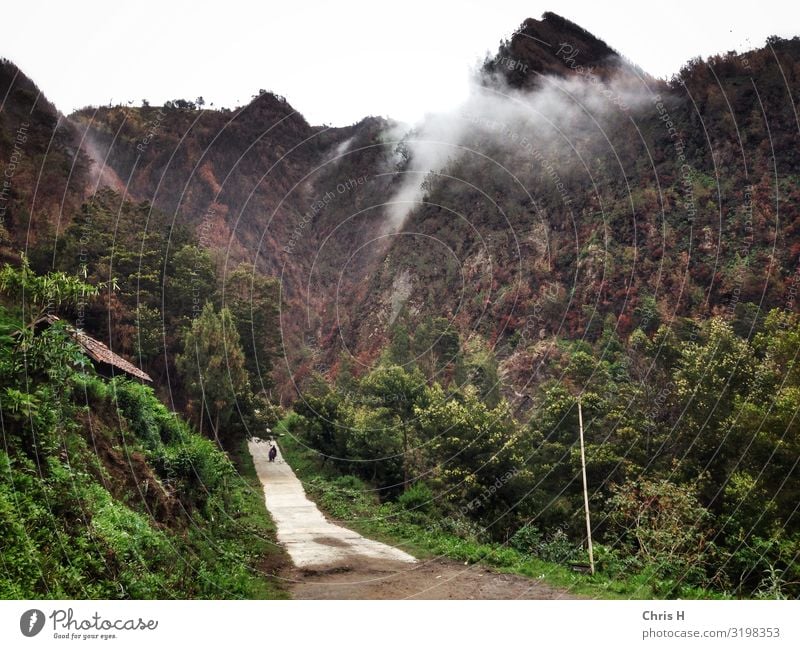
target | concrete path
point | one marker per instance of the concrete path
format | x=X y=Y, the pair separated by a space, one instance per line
x=310 y=539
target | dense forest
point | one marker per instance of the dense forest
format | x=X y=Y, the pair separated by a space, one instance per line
x=425 y=311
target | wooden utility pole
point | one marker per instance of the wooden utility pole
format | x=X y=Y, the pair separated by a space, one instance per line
x=585 y=490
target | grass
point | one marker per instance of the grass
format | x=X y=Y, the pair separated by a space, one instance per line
x=351 y=501
x=267 y=556
x=132 y=505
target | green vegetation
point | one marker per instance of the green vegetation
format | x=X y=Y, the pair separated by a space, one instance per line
x=104 y=493
x=687 y=458
x=414 y=523
x=213 y=369
x=154 y=280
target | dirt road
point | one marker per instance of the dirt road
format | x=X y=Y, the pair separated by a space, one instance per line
x=332 y=562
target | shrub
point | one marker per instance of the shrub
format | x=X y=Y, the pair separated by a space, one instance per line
x=417 y=498
x=89 y=387
x=663 y=525
x=137 y=405
x=194 y=466
x=349 y=483
x=527 y=539
x=556 y=547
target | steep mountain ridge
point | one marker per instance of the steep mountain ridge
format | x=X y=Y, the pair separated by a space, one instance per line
x=591 y=197
x=45 y=172
x=550 y=46
x=589 y=189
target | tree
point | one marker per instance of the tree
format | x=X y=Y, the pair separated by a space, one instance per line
x=436 y=345
x=396 y=391
x=346 y=382
x=213 y=368
x=327 y=420
x=712 y=377
x=191 y=281
x=254 y=301
x=664 y=525
x=180 y=103
x=474 y=452
x=376 y=440
x=399 y=350
x=111 y=237
x=481 y=370
x=646 y=314
x=780 y=343
x=149 y=333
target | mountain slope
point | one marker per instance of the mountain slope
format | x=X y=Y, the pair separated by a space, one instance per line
x=591 y=190
x=45 y=172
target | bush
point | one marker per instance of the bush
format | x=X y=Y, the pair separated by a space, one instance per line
x=90 y=388
x=555 y=548
x=418 y=498
x=663 y=525
x=293 y=423
x=127 y=539
x=527 y=539
x=349 y=483
x=137 y=405
x=194 y=466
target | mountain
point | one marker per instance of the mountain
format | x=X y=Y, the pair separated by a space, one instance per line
x=552 y=46
x=590 y=201
x=46 y=173
x=592 y=190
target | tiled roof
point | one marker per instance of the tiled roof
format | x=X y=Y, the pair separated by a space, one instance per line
x=97 y=351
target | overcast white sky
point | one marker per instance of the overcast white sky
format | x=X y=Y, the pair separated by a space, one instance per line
x=338 y=61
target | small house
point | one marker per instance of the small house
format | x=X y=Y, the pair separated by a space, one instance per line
x=105 y=361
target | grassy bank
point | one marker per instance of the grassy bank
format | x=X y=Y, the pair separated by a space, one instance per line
x=349 y=500
x=257 y=530
x=119 y=498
